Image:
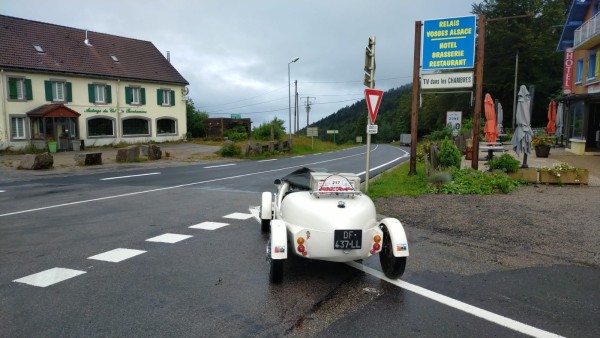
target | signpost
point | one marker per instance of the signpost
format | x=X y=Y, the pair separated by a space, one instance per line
x=236 y=116
x=373 y=98
x=447 y=80
x=333 y=132
x=312 y=132
x=454 y=121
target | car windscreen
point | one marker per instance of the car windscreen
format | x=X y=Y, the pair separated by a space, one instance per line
x=299 y=179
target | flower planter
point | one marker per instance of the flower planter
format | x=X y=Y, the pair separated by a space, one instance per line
x=572 y=176
x=542 y=151
x=529 y=175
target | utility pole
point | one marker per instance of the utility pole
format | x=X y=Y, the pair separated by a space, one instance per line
x=308 y=107
x=295 y=106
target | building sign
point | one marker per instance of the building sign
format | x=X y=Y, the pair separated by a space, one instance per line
x=454 y=121
x=236 y=116
x=447 y=80
x=449 y=43
x=113 y=110
x=568 y=72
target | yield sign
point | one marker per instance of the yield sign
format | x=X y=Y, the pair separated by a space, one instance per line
x=373 y=100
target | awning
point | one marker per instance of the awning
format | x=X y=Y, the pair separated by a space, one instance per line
x=53 y=110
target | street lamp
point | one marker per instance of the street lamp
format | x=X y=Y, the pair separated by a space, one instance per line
x=290 y=102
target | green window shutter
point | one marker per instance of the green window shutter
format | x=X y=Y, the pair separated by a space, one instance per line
x=69 y=91
x=172 y=97
x=29 y=94
x=108 y=94
x=12 y=88
x=143 y=95
x=48 y=89
x=91 y=94
x=127 y=95
x=159 y=97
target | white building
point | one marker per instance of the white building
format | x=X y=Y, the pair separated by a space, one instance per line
x=61 y=83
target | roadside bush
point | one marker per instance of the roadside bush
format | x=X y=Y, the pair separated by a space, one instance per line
x=230 y=150
x=449 y=155
x=504 y=162
x=471 y=181
x=263 y=132
x=236 y=136
x=439 y=135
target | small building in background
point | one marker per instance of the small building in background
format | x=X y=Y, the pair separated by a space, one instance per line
x=216 y=127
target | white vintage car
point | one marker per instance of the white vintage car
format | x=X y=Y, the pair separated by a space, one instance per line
x=324 y=216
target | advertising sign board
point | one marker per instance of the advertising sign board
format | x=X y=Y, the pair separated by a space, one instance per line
x=447 y=80
x=449 y=43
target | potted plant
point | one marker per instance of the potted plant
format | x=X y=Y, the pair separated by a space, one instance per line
x=563 y=173
x=542 y=145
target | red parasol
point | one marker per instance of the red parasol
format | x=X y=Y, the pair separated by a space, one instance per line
x=491 y=128
x=551 y=127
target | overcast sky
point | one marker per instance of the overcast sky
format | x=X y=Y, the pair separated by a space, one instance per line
x=235 y=53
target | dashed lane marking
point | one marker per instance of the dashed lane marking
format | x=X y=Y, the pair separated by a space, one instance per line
x=238 y=215
x=128 y=176
x=49 y=277
x=209 y=225
x=117 y=255
x=219 y=166
x=273 y=159
x=470 y=309
x=168 y=238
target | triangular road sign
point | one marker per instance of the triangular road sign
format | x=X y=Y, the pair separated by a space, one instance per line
x=373 y=98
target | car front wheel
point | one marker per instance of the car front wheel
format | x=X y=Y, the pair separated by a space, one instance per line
x=393 y=267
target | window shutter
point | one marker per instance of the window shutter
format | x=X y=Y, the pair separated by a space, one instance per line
x=143 y=95
x=91 y=93
x=69 y=92
x=127 y=95
x=159 y=97
x=172 y=97
x=108 y=94
x=48 y=89
x=12 y=88
x=29 y=94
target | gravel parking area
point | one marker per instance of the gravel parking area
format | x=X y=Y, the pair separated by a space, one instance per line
x=537 y=225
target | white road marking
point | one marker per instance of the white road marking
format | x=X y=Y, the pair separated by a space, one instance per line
x=219 y=166
x=383 y=165
x=255 y=211
x=209 y=225
x=117 y=255
x=269 y=160
x=2 y=190
x=470 y=309
x=238 y=215
x=168 y=238
x=174 y=187
x=128 y=176
x=49 y=277
x=299 y=156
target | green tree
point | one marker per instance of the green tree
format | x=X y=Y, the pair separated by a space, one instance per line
x=263 y=132
x=196 y=120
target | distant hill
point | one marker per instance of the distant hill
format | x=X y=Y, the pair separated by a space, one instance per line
x=393 y=118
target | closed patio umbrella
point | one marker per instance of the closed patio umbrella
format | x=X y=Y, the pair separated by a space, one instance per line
x=521 y=140
x=499 y=118
x=559 y=120
x=490 y=129
x=551 y=127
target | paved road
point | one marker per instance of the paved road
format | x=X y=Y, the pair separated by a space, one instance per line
x=175 y=252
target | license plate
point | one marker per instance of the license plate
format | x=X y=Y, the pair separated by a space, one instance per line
x=347 y=239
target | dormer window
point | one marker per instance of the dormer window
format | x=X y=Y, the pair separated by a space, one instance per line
x=38 y=48
x=114 y=58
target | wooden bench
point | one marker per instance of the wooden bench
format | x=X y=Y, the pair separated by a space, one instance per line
x=491 y=148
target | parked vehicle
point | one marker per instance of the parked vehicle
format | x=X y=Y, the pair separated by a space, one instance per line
x=324 y=216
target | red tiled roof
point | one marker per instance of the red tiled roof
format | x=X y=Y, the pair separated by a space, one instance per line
x=66 y=52
x=53 y=110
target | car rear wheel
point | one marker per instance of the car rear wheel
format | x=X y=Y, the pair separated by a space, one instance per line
x=275 y=266
x=393 y=267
